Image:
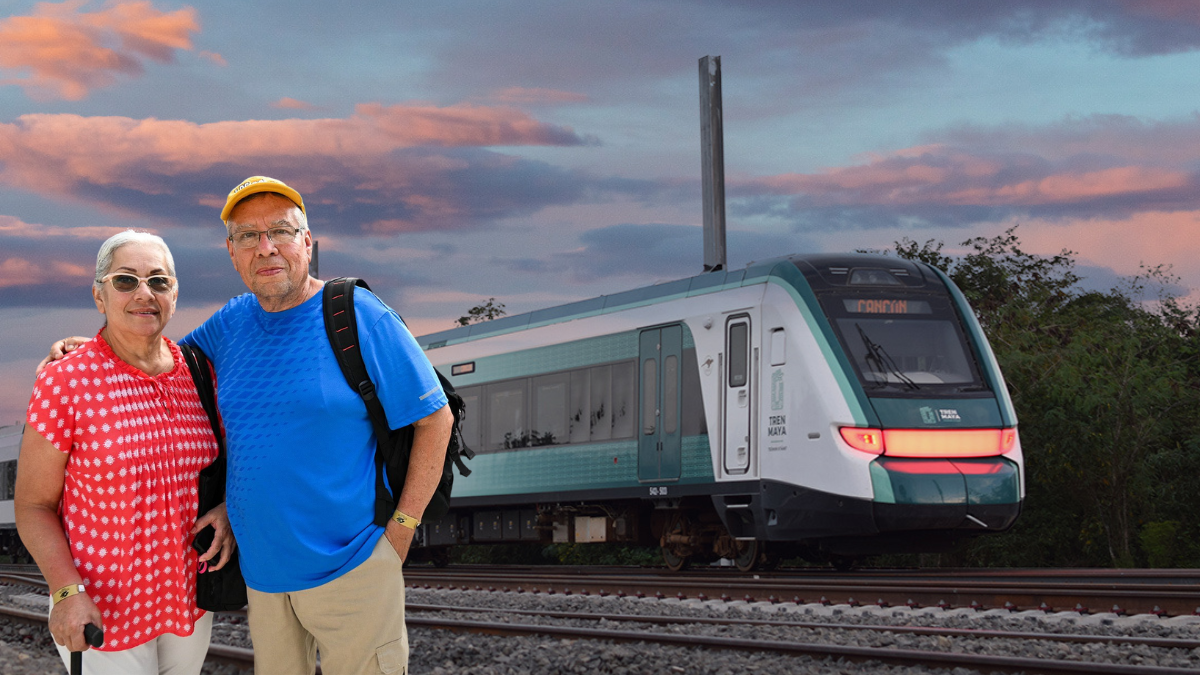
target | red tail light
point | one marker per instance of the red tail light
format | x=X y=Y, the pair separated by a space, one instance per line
x=866 y=440
x=931 y=442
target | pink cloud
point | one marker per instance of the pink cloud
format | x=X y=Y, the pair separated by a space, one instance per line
x=53 y=152
x=1172 y=10
x=23 y=272
x=383 y=168
x=66 y=52
x=945 y=175
x=289 y=103
x=215 y=58
x=15 y=227
x=1153 y=238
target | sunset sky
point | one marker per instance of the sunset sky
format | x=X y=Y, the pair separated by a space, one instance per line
x=542 y=152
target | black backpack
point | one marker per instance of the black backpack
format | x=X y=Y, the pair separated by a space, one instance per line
x=393 y=446
x=223 y=590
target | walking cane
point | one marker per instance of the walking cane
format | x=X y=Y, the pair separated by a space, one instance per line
x=94 y=637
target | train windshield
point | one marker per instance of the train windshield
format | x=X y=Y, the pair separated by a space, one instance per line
x=905 y=345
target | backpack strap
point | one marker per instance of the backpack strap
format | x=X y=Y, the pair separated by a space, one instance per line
x=342 y=330
x=197 y=362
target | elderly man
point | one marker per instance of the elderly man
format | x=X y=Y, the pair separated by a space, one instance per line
x=322 y=576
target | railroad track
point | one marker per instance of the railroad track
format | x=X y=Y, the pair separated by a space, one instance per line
x=1160 y=592
x=695 y=633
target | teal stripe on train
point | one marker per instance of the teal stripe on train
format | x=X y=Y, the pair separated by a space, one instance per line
x=553 y=358
x=559 y=468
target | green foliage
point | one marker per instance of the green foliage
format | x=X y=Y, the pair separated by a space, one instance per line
x=555 y=554
x=604 y=554
x=1106 y=388
x=479 y=313
x=501 y=554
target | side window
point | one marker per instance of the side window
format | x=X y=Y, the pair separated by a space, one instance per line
x=649 y=396
x=8 y=479
x=601 y=415
x=624 y=401
x=578 y=422
x=549 y=406
x=471 y=424
x=739 y=344
x=670 y=411
x=506 y=410
x=598 y=403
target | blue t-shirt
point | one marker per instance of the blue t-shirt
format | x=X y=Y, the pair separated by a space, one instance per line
x=301 y=473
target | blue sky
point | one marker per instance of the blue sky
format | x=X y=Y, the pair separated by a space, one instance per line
x=544 y=152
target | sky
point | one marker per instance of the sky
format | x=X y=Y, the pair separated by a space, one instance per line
x=540 y=152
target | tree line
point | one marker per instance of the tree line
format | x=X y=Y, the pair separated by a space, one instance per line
x=1106 y=386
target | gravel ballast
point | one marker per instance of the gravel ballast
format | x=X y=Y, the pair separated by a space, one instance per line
x=28 y=650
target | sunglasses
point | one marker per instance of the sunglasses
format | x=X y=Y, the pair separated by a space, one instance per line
x=128 y=283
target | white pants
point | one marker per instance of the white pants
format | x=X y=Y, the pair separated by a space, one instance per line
x=164 y=655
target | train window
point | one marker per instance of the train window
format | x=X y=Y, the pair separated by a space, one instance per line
x=908 y=355
x=670 y=420
x=624 y=401
x=778 y=347
x=473 y=416
x=580 y=428
x=649 y=396
x=8 y=479
x=506 y=416
x=549 y=407
x=601 y=413
x=739 y=339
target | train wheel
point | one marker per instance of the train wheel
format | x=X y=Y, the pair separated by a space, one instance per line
x=674 y=562
x=747 y=555
x=676 y=554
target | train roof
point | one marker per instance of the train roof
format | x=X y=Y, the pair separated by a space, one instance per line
x=825 y=268
x=10 y=441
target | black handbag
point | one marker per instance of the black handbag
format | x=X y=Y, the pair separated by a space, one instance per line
x=223 y=589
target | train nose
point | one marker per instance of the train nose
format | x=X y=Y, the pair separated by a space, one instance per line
x=945 y=494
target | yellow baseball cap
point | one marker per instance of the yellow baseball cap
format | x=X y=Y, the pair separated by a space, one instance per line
x=255 y=184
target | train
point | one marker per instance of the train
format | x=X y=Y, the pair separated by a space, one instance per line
x=830 y=406
x=10 y=446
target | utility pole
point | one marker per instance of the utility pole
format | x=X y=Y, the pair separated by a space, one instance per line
x=712 y=163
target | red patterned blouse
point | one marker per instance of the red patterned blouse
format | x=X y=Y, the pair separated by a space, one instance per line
x=136 y=445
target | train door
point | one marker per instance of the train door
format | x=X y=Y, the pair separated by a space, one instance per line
x=738 y=393
x=660 y=380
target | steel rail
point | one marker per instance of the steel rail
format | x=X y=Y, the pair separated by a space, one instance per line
x=236 y=656
x=912 y=657
x=1160 y=643
x=1123 y=595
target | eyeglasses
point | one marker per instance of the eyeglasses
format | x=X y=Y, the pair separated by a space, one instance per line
x=128 y=283
x=277 y=235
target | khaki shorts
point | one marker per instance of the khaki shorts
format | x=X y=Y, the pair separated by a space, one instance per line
x=356 y=622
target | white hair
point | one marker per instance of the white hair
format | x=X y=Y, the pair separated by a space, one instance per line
x=104 y=259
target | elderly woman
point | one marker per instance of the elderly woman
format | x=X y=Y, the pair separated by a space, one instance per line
x=106 y=482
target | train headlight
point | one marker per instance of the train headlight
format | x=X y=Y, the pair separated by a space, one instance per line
x=931 y=442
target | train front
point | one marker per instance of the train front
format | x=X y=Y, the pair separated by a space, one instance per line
x=931 y=419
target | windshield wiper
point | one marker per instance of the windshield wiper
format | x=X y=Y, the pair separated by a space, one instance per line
x=882 y=361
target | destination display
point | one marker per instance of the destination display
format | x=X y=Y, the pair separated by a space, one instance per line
x=886 y=306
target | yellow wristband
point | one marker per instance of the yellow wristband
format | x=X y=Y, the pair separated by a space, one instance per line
x=67 y=591
x=405 y=519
